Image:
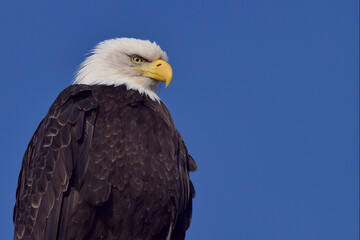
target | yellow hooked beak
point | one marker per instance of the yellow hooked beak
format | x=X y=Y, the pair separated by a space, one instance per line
x=158 y=70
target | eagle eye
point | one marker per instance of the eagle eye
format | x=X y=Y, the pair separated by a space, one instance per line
x=136 y=59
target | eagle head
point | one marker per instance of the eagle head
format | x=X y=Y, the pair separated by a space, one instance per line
x=139 y=64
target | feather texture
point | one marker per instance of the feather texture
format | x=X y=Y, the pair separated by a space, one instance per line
x=105 y=163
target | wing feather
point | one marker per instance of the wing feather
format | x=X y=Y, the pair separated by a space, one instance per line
x=58 y=148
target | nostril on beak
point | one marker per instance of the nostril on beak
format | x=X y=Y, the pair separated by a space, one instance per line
x=158 y=65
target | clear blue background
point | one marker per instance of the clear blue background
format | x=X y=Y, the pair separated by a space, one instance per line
x=265 y=94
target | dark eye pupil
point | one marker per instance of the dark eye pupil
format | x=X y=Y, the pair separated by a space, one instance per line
x=136 y=59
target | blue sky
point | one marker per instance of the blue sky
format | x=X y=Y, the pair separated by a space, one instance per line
x=265 y=95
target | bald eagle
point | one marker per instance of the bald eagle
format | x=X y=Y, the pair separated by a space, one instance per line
x=107 y=162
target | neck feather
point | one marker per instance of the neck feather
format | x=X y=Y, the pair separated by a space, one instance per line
x=91 y=73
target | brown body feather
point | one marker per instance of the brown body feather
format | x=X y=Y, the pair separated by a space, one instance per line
x=105 y=163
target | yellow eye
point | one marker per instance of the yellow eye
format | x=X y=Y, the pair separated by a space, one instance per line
x=136 y=59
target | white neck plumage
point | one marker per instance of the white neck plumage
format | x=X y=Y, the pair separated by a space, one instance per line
x=93 y=72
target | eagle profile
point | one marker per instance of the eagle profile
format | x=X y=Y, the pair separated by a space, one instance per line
x=107 y=162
